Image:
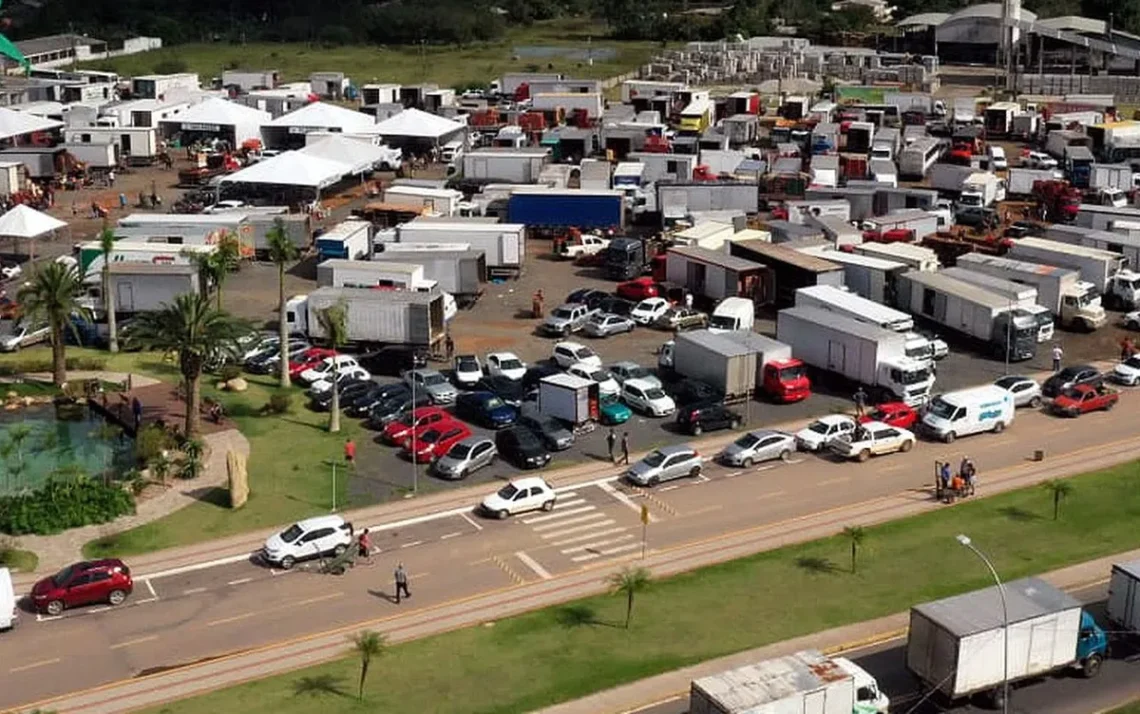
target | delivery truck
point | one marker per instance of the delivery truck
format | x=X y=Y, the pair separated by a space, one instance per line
x=972 y=311
x=1123 y=606
x=858 y=352
x=948 y=178
x=568 y=397
x=374 y=317
x=866 y=276
x=1020 y=181
x=739 y=363
x=350 y=240
x=1021 y=296
x=916 y=257
x=803 y=683
x=567 y=208
x=958 y=646
x=142 y=287
x=503 y=244
x=856 y=307
x=1104 y=269
x=1119 y=176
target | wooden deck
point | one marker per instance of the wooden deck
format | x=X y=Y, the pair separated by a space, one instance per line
x=161 y=403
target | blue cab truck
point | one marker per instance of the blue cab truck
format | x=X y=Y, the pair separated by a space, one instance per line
x=956 y=646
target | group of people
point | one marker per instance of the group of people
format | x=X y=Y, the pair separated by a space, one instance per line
x=964 y=483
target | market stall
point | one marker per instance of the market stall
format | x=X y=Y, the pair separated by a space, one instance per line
x=418 y=132
x=292 y=178
x=288 y=131
x=215 y=121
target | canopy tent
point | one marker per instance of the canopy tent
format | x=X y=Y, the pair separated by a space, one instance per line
x=359 y=155
x=319 y=116
x=26 y=222
x=14 y=123
x=219 y=116
x=292 y=168
x=418 y=124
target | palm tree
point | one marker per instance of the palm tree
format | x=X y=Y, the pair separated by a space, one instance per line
x=215 y=267
x=368 y=645
x=107 y=246
x=1060 y=490
x=281 y=251
x=334 y=321
x=855 y=534
x=53 y=297
x=192 y=329
x=629 y=582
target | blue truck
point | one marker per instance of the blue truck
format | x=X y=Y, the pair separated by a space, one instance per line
x=567 y=208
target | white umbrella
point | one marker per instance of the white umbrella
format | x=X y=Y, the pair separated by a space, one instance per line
x=26 y=222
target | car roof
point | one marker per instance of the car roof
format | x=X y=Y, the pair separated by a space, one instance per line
x=625 y=364
x=475 y=440
x=570 y=306
x=503 y=355
x=585 y=367
x=835 y=419
x=641 y=382
x=892 y=405
x=761 y=433
x=529 y=482
x=309 y=524
x=676 y=449
x=569 y=345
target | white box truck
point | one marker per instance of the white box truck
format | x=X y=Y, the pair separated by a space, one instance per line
x=856 y=307
x=957 y=646
x=1105 y=269
x=803 y=683
x=1123 y=607
x=339 y=273
x=1021 y=296
x=374 y=317
x=1020 y=181
x=568 y=397
x=867 y=276
x=862 y=353
x=504 y=244
x=917 y=257
x=141 y=287
x=510 y=165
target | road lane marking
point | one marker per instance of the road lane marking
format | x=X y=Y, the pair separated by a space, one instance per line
x=471 y=521
x=95 y=610
x=193 y=591
x=567 y=494
x=588 y=536
x=623 y=499
x=515 y=577
x=33 y=665
x=563 y=514
x=235 y=618
x=412 y=544
x=139 y=641
x=795 y=461
x=240 y=581
x=702 y=511
x=608 y=551
x=579 y=529
x=734 y=474
x=772 y=494
x=832 y=481
x=533 y=565
x=701 y=478
x=567 y=504
x=326 y=596
x=150 y=587
x=40 y=617
x=569 y=521
x=674 y=487
x=766 y=467
x=597 y=545
x=450 y=535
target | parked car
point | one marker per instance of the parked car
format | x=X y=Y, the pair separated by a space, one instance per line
x=519 y=496
x=522 y=447
x=665 y=464
x=624 y=370
x=647 y=398
x=536 y=374
x=485 y=408
x=566 y=319
x=699 y=419
x=310 y=538
x=385 y=412
x=394 y=360
x=10 y=270
x=1071 y=377
x=689 y=392
x=590 y=297
x=1132 y=320
x=226 y=206
x=1026 y=392
x=430 y=444
x=815 y=435
x=1127 y=372
x=308 y=358
x=465 y=458
x=649 y=310
x=682 y=318
x=468 y=371
x=510 y=391
x=399 y=430
x=256 y=344
x=1084 y=398
x=24 y=335
x=893 y=414
x=344 y=377
x=611 y=411
x=757 y=446
x=553 y=432
x=506 y=364
x=433 y=383
x=616 y=306
x=872 y=439
x=637 y=289
x=607 y=385
x=350 y=389
x=565 y=354
x=1039 y=160
x=327 y=366
x=362 y=404
x=603 y=325
x=85 y=583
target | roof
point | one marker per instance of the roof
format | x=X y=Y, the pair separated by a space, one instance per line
x=981 y=611
x=718 y=342
x=785 y=254
x=924 y=19
x=23 y=221
x=754 y=341
x=954 y=286
x=419 y=124
x=827 y=252
x=847 y=324
x=704 y=229
x=323 y=115
x=508 y=151
x=1023 y=266
x=990 y=282
x=221 y=112
x=413 y=297
x=1074 y=23
x=987 y=11
x=715 y=257
x=1132 y=568
x=358 y=154
x=55 y=43
x=129 y=268
x=292 y=168
x=13 y=123
x=566 y=379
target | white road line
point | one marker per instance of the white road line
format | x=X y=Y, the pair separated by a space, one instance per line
x=563 y=514
x=95 y=610
x=795 y=461
x=241 y=581
x=701 y=478
x=767 y=467
x=450 y=535
x=150 y=587
x=608 y=551
x=773 y=494
x=734 y=474
x=568 y=504
x=193 y=591
x=568 y=521
x=40 y=617
x=567 y=494
x=598 y=545
x=832 y=481
x=674 y=487
x=470 y=520
x=139 y=641
x=533 y=565
x=244 y=557
x=33 y=665
x=588 y=536
x=579 y=529
x=622 y=498
x=146 y=600
x=412 y=544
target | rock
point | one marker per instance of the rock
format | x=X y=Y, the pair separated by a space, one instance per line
x=220 y=386
x=12 y=395
x=237 y=384
x=238 y=479
x=29 y=401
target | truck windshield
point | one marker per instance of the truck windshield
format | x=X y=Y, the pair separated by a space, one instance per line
x=1086 y=299
x=788 y=374
x=912 y=376
x=941 y=408
x=923 y=350
x=562 y=314
x=969 y=199
x=722 y=322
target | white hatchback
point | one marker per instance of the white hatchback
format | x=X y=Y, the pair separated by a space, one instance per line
x=648 y=310
x=505 y=364
x=607 y=385
x=568 y=353
x=520 y=496
x=310 y=538
x=644 y=396
x=815 y=436
x=326 y=367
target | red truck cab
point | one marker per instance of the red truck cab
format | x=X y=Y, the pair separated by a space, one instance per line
x=786 y=380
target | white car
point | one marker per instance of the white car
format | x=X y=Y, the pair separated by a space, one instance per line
x=1040 y=160
x=1132 y=320
x=644 y=396
x=23 y=336
x=1127 y=372
x=344 y=374
x=872 y=438
x=10 y=271
x=1026 y=391
x=570 y=353
x=310 y=538
x=648 y=310
x=815 y=436
x=998 y=162
x=226 y=206
x=505 y=364
x=607 y=385
x=325 y=368
x=468 y=371
x=519 y=496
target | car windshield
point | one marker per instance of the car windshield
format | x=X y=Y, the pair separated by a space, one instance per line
x=654 y=459
x=493 y=403
x=584 y=353
x=548 y=425
x=940 y=408
x=467 y=364
x=508 y=492
x=459 y=451
x=747 y=441
x=599 y=319
x=64 y=575
x=914 y=376
x=819 y=427
x=647 y=305
x=510 y=364
x=1133 y=362
x=562 y=313
x=430 y=436
x=599 y=376
x=655 y=393
x=432 y=380
x=292 y=533
x=722 y=322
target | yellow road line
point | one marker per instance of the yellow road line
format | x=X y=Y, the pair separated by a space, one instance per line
x=139 y=641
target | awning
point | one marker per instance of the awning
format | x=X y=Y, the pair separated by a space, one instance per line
x=26 y=222
x=13 y=123
x=292 y=168
x=418 y=124
x=358 y=154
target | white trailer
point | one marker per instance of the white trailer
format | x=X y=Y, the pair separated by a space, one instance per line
x=179 y=228
x=1099 y=267
x=867 y=276
x=848 y=304
x=860 y=352
x=800 y=212
x=718 y=360
x=504 y=244
x=509 y=165
x=143 y=287
x=568 y=397
x=1020 y=180
x=1121 y=242
x=1022 y=297
x=1118 y=176
x=374 y=317
x=1123 y=607
x=948 y=178
x=594 y=175
x=134 y=251
x=459 y=272
x=677 y=167
x=917 y=257
x=569 y=102
x=340 y=273
x=137 y=144
x=839 y=231
x=438 y=201
x=1103 y=218
x=884 y=171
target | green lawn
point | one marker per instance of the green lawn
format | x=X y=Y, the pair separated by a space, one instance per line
x=446 y=66
x=1133 y=708
x=564 y=652
x=16 y=559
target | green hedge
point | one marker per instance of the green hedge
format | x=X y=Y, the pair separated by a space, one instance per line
x=25 y=365
x=61 y=504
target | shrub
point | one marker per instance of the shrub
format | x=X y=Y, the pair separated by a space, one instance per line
x=151 y=441
x=61 y=504
x=25 y=365
x=192 y=463
x=230 y=371
x=279 y=404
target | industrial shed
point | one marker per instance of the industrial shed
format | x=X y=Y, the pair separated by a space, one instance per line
x=791 y=269
x=714 y=275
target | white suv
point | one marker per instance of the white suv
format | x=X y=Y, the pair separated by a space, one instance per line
x=310 y=538
x=568 y=353
x=647 y=397
x=519 y=496
x=325 y=368
x=872 y=438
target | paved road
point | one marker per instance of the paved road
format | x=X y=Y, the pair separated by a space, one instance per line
x=464 y=569
x=1066 y=693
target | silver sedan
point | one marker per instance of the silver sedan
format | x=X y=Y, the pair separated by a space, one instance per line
x=471 y=454
x=604 y=325
x=757 y=446
x=1026 y=392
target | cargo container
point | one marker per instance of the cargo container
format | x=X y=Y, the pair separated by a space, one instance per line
x=825 y=171
x=374 y=317
x=848 y=304
x=837 y=230
x=459 y=272
x=1022 y=297
x=791 y=269
x=178 y=228
x=1105 y=218
x=1123 y=606
x=569 y=103
x=866 y=276
x=948 y=178
x=338 y=273
x=1119 y=176
x=738 y=363
x=254 y=232
x=142 y=287
x=1020 y=181
x=923 y=223
x=859 y=137
x=437 y=201
x=567 y=209
x=678 y=200
x=674 y=167
x=916 y=256
x=917 y=158
x=1075 y=303
x=1123 y=239
x=510 y=165
x=569 y=398
x=350 y=240
x=1105 y=269
x=132 y=251
x=801 y=211
x=713 y=275
x=96 y=156
x=503 y=244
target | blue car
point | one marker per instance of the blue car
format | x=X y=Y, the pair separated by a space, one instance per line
x=485 y=408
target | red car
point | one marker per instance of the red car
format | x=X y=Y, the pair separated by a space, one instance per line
x=308 y=359
x=83 y=583
x=435 y=442
x=1084 y=398
x=894 y=414
x=637 y=289
x=400 y=430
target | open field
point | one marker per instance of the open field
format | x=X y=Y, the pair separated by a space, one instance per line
x=446 y=66
x=568 y=651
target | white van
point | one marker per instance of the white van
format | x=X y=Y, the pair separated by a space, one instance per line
x=451 y=152
x=968 y=411
x=8 y=612
x=732 y=314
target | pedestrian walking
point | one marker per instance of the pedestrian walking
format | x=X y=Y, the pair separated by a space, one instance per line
x=111 y=178
x=1058 y=355
x=611 y=439
x=860 y=398
x=401 y=582
x=449 y=345
x=136 y=411
x=365 y=545
x=1127 y=348
x=123 y=201
x=625 y=447
x=350 y=452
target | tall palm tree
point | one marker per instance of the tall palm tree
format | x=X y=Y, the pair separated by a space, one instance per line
x=629 y=582
x=334 y=321
x=855 y=534
x=53 y=297
x=369 y=645
x=107 y=247
x=194 y=330
x=1060 y=489
x=215 y=267
x=281 y=251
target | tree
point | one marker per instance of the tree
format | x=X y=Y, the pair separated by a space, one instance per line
x=53 y=297
x=369 y=645
x=281 y=251
x=107 y=246
x=855 y=534
x=215 y=267
x=193 y=330
x=334 y=321
x=629 y=582
x=1060 y=489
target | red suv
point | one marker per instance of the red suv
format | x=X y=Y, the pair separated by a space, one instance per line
x=83 y=584
x=400 y=430
x=637 y=289
x=435 y=442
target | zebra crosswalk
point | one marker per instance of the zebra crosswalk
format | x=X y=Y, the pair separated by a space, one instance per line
x=581 y=530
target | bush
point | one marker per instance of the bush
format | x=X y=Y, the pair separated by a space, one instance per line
x=151 y=441
x=25 y=365
x=279 y=404
x=63 y=504
x=171 y=65
x=230 y=371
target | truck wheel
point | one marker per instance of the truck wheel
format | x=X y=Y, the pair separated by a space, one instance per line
x=1091 y=667
x=864 y=455
x=997 y=698
x=949 y=437
x=1035 y=403
x=999 y=427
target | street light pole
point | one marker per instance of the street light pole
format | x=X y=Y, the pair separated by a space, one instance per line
x=415 y=469
x=965 y=541
x=1008 y=333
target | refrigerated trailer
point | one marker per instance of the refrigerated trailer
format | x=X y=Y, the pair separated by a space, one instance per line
x=917 y=257
x=848 y=304
x=504 y=244
x=459 y=272
x=1123 y=606
x=374 y=317
x=1021 y=296
x=867 y=276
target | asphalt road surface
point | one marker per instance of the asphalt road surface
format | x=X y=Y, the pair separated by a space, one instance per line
x=188 y=615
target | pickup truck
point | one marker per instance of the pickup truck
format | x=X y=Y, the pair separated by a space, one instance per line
x=583 y=246
x=566 y=319
x=872 y=439
x=1084 y=398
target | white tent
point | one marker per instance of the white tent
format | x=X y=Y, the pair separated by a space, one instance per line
x=13 y=123
x=26 y=222
x=220 y=115
x=292 y=168
x=319 y=116
x=358 y=154
x=417 y=124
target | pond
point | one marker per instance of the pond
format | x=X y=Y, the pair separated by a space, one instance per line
x=39 y=441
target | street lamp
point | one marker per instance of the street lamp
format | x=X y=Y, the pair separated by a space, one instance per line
x=965 y=541
x=415 y=468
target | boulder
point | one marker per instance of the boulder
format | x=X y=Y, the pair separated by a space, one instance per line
x=237 y=384
x=238 y=479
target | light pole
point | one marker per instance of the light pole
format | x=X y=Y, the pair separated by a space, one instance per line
x=965 y=541
x=415 y=469
x=1008 y=334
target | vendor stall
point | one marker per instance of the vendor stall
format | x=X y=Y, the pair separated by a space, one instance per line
x=288 y=131
x=215 y=120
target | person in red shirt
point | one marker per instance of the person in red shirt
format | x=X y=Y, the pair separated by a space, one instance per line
x=350 y=452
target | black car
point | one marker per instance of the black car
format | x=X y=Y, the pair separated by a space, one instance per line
x=690 y=392
x=508 y=390
x=555 y=434
x=362 y=403
x=393 y=360
x=710 y=417
x=522 y=447
x=615 y=305
x=537 y=373
x=485 y=408
x=1071 y=377
x=380 y=413
x=589 y=297
x=349 y=390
